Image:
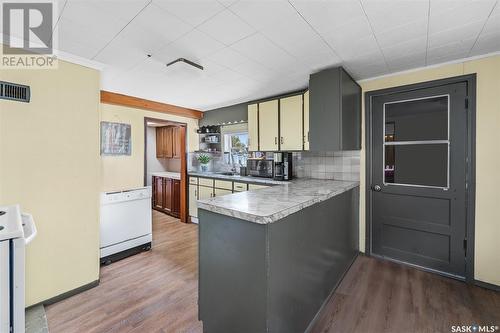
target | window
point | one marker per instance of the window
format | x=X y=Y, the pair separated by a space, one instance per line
x=416 y=142
x=235 y=141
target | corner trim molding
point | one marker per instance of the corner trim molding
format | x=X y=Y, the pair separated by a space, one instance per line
x=109 y=97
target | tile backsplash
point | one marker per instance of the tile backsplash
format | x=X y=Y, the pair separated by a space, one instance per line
x=341 y=165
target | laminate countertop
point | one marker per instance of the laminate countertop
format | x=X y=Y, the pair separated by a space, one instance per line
x=271 y=204
x=237 y=178
x=167 y=174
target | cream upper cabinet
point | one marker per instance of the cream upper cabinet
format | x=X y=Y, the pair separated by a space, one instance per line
x=268 y=125
x=253 y=127
x=291 y=136
x=306 y=120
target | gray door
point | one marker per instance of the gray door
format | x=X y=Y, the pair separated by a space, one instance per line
x=419 y=146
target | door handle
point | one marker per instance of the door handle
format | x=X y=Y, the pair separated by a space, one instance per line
x=281 y=140
x=275 y=140
x=376 y=188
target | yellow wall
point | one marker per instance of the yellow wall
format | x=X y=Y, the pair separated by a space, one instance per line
x=123 y=172
x=49 y=164
x=487 y=250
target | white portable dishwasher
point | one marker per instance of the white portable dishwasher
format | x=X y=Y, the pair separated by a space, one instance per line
x=126 y=223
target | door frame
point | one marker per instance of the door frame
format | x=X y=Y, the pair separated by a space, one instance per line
x=470 y=80
x=183 y=214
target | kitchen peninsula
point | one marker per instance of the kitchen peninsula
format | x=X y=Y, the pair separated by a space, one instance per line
x=269 y=258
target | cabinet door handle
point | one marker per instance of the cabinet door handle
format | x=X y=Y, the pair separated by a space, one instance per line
x=275 y=140
x=281 y=140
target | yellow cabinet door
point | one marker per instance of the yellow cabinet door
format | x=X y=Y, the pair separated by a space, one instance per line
x=268 y=126
x=220 y=192
x=306 y=120
x=205 y=192
x=253 y=127
x=193 y=196
x=291 y=126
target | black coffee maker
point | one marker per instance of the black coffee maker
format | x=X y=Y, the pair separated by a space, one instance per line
x=283 y=166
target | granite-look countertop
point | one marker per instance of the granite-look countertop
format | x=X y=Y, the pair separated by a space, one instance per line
x=237 y=178
x=271 y=204
x=167 y=174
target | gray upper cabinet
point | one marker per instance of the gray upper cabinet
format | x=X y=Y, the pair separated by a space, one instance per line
x=335 y=111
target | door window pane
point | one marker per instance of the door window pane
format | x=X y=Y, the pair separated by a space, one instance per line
x=419 y=120
x=422 y=164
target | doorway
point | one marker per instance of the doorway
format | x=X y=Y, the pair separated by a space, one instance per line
x=170 y=157
x=420 y=175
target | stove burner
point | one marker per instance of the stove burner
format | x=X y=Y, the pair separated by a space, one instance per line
x=2 y=212
x=1 y=227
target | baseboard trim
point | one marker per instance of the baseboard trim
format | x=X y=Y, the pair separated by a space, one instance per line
x=67 y=294
x=487 y=285
x=314 y=321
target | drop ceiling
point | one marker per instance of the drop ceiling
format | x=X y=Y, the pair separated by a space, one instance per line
x=253 y=49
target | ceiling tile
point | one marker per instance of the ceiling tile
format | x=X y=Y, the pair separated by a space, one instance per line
x=449 y=17
x=193 y=12
x=226 y=27
x=493 y=24
x=103 y=24
x=123 y=9
x=487 y=43
x=159 y=23
x=353 y=47
x=326 y=16
x=402 y=33
x=406 y=63
x=228 y=57
x=458 y=33
x=405 y=49
x=255 y=71
x=386 y=14
x=194 y=46
x=75 y=38
x=259 y=48
x=121 y=53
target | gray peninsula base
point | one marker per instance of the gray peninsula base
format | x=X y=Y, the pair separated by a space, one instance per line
x=274 y=277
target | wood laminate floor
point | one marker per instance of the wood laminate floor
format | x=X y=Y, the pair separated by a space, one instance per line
x=382 y=296
x=157 y=292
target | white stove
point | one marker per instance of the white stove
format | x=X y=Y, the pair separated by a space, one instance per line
x=16 y=230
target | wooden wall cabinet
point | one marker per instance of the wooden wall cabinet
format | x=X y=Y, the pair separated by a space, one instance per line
x=167 y=195
x=168 y=142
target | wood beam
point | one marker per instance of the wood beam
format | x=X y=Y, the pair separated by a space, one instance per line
x=145 y=104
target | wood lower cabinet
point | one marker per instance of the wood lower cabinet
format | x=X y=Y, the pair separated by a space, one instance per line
x=167 y=195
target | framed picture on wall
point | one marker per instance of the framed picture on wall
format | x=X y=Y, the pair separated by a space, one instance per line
x=115 y=139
